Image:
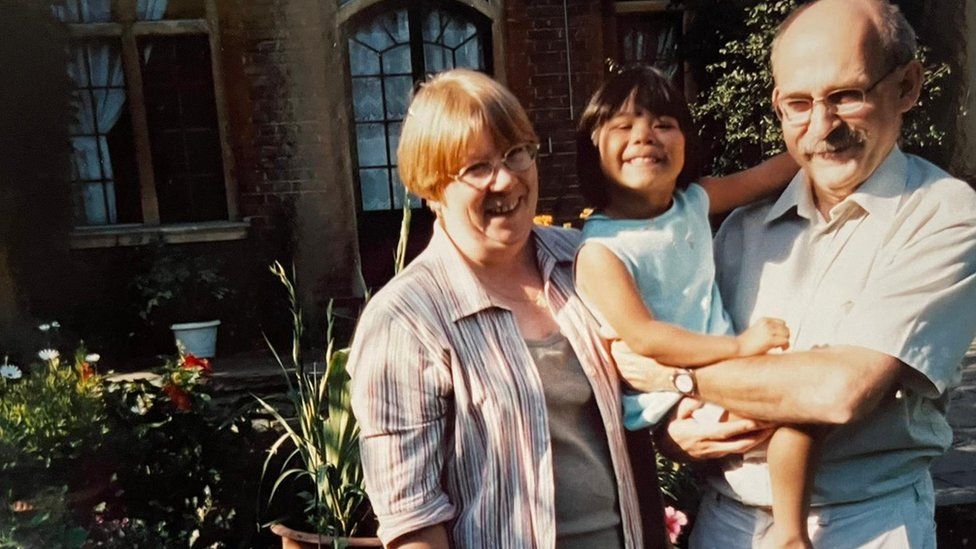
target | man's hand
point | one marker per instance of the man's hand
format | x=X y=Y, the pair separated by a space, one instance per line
x=642 y=373
x=687 y=439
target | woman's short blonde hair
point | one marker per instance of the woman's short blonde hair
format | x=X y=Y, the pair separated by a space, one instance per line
x=447 y=112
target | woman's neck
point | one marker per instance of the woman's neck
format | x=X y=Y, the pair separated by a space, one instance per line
x=517 y=268
x=630 y=204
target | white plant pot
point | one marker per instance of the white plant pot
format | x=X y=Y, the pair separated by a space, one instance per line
x=197 y=338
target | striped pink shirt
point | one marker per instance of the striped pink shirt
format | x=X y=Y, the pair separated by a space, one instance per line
x=452 y=411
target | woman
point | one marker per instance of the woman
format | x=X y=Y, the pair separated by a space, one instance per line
x=489 y=407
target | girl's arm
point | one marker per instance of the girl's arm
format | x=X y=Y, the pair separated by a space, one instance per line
x=608 y=286
x=740 y=188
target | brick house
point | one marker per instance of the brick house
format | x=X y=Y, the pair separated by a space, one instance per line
x=214 y=123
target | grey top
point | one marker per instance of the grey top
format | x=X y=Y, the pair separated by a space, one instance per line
x=587 y=514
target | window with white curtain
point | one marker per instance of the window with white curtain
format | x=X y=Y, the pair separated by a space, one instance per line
x=146 y=144
x=390 y=49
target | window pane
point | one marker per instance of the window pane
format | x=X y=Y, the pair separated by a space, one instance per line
x=95 y=203
x=371 y=144
x=396 y=24
x=152 y=10
x=394 y=129
x=375 y=186
x=83 y=11
x=438 y=58
x=433 y=26
x=103 y=156
x=183 y=130
x=375 y=36
x=362 y=60
x=456 y=32
x=398 y=192
x=397 y=96
x=397 y=60
x=367 y=99
x=470 y=54
x=450 y=41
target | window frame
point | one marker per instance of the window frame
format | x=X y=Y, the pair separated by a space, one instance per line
x=127 y=29
x=483 y=14
x=627 y=8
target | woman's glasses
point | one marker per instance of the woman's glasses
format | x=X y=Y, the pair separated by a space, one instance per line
x=481 y=174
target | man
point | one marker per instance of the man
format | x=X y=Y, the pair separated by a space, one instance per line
x=870 y=257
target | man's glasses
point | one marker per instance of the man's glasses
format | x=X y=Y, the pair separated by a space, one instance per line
x=798 y=110
x=481 y=175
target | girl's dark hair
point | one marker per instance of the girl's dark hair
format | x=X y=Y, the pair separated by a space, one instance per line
x=654 y=93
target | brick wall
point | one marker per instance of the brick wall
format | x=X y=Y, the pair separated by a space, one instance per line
x=289 y=127
x=538 y=73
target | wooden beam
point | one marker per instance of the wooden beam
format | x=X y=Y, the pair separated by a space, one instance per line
x=223 y=119
x=170 y=27
x=131 y=62
x=94 y=30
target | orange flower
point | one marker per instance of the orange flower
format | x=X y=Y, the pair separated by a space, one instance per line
x=85 y=371
x=190 y=361
x=179 y=397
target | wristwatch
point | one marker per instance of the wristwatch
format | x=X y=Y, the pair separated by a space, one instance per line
x=684 y=382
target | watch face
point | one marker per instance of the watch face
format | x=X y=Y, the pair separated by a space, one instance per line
x=684 y=383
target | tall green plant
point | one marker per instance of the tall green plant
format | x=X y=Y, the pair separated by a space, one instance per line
x=323 y=434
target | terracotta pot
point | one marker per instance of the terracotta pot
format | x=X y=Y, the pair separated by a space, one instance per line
x=293 y=539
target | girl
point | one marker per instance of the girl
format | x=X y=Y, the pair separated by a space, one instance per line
x=645 y=267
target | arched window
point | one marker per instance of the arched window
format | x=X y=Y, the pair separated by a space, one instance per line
x=389 y=49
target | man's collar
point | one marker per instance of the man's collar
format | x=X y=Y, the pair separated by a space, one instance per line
x=879 y=195
x=468 y=293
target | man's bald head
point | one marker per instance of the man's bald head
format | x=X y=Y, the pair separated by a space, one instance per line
x=890 y=34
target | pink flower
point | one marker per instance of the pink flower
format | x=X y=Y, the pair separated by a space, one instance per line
x=674 y=521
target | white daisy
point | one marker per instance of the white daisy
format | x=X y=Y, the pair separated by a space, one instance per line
x=92 y=358
x=55 y=324
x=44 y=327
x=48 y=354
x=9 y=371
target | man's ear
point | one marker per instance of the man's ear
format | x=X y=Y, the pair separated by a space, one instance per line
x=774 y=98
x=910 y=86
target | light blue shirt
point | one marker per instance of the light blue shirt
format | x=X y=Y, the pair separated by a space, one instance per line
x=893 y=270
x=670 y=257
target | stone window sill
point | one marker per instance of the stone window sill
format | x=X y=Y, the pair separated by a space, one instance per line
x=138 y=235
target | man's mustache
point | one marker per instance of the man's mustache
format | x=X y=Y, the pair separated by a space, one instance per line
x=837 y=140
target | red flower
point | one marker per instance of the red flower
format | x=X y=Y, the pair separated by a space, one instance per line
x=190 y=361
x=86 y=371
x=674 y=520
x=179 y=397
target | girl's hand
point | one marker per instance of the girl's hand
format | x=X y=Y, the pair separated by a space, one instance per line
x=642 y=373
x=686 y=439
x=767 y=333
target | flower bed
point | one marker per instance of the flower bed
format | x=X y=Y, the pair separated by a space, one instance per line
x=89 y=460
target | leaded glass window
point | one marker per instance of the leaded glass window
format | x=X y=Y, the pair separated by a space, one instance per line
x=388 y=52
